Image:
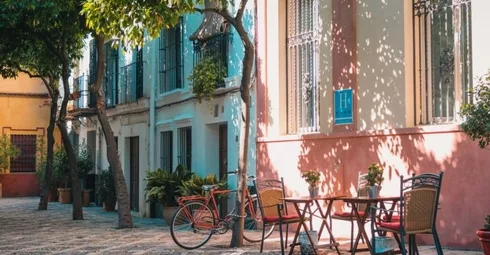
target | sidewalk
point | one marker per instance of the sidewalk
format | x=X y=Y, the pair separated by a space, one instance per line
x=24 y=230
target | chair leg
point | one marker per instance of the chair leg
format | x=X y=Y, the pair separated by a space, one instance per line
x=287 y=231
x=397 y=238
x=415 y=248
x=263 y=237
x=352 y=235
x=402 y=244
x=410 y=245
x=280 y=235
x=437 y=242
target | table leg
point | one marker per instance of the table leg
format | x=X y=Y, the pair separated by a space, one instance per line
x=325 y=223
x=301 y=223
x=360 y=225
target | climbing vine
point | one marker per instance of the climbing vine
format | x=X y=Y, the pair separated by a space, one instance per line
x=205 y=76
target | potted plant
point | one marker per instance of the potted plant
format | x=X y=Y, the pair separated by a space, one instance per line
x=106 y=190
x=484 y=236
x=61 y=173
x=163 y=187
x=7 y=151
x=312 y=177
x=374 y=179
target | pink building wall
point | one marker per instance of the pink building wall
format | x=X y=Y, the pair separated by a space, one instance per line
x=340 y=157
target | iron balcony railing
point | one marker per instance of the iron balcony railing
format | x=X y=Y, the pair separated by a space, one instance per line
x=82 y=98
x=217 y=47
x=131 y=83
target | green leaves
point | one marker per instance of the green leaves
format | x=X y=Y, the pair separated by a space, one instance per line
x=477 y=116
x=7 y=151
x=205 y=76
x=375 y=175
x=162 y=186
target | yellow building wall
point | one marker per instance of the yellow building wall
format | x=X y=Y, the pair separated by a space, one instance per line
x=23 y=109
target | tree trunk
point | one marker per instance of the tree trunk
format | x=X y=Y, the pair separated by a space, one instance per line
x=237 y=236
x=123 y=208
x=70 y=152
x=48 y=174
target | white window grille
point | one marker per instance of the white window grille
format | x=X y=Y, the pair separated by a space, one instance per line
x=302 y=45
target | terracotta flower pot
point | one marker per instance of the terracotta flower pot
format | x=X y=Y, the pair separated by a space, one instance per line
x=168 y=213
x=109 y=206
x=53 y=195
x=484 y=236
x=64 y=195
x=86 y=198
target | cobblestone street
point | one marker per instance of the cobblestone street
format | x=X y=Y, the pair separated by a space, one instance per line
x=24 y=230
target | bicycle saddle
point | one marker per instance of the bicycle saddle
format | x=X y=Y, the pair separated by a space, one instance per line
x=209 y=187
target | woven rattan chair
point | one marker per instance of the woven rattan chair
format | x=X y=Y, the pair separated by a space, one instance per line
x=419 y=201
x=273 y=208
x=349 y=215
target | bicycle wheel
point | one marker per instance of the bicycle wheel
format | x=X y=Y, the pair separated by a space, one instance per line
x=192 y=225
x=253 y=223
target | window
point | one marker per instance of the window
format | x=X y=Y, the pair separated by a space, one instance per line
x=93 y=62
x=185 y=147
x=26 y=161
x=442 y=59
x=111 y=75
x=166 y=150
x=171 y=58
x=132 y=79
x=302 y=58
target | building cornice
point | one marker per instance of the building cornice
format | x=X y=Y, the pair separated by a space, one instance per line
x=24 y=94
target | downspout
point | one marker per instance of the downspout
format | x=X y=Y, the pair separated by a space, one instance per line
x=153 y=83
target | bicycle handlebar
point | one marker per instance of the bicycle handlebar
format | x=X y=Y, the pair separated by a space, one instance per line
x=249 y=177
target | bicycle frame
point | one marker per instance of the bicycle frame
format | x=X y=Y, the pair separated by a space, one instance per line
x=210 y=201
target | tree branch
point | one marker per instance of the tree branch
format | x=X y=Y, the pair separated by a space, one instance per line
x=45 y=81
x=241 y=10
x=223 y=12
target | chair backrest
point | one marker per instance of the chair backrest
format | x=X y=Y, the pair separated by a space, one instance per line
x=362 y=191
x=269 y=195
x=419 y=200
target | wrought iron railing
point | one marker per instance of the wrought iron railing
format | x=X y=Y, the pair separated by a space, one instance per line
x=131 y=83
x=217 y=47
x=82 y=98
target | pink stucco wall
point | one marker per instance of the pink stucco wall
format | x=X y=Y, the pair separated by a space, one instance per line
x=340 y=157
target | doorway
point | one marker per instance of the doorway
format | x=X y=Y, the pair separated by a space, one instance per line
x=223 y=163
x=134 y=172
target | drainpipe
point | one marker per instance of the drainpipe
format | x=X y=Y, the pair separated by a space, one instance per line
x=153 y=83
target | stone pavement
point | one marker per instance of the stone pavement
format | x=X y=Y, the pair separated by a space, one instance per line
x=24 y=230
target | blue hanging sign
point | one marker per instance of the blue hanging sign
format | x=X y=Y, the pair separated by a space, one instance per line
x=343 y=107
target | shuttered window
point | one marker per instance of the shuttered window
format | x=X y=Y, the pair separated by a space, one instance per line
x=166 y=150
x=185 y=147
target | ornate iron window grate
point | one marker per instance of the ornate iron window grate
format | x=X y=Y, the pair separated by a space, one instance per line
x=171 y=68
x=302 y=46
x=26 y=161
x=442 y=59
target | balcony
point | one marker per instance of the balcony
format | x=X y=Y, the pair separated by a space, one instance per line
x=217 y=47
x=83 y=99
x=131 y=83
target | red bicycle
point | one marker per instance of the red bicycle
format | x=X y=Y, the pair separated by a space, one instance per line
x=198 y=218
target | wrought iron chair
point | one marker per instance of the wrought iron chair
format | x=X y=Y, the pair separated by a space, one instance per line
x=419 y=201
x=349 y=215
x=273 y=208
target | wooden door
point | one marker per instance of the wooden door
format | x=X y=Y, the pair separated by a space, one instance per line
x=223 y=162
x=134 y=172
